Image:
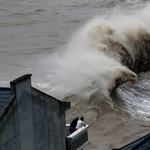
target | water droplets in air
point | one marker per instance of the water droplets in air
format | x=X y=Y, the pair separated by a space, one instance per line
x=135 y=4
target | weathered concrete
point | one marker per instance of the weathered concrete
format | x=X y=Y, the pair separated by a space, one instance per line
x=34 y=120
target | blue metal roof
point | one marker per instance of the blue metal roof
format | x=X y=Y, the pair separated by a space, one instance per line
x=5 y=93
x=141 y=144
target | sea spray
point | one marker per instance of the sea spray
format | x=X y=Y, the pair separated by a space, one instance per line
x=101 y=56
x=91 y=55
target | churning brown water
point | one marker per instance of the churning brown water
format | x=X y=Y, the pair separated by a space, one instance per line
x=94 y=54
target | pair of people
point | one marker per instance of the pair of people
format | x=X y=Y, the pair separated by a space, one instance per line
x=76 y=124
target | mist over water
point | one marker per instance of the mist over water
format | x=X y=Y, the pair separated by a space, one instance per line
x=103 y=54
x=79 y=47
x=94 y=54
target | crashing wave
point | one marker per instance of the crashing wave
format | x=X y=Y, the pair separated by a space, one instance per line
x=102 y=55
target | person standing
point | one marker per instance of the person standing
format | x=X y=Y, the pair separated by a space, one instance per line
x=80 y=123
x=73 y=125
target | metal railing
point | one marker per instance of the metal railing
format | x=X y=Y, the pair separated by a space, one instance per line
x=78 y=139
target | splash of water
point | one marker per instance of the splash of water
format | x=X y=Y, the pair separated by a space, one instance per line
x=102 y=55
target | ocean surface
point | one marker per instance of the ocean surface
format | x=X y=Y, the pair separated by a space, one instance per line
x=96 y=50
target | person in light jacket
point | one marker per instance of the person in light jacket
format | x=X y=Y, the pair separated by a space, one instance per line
x=80 y=123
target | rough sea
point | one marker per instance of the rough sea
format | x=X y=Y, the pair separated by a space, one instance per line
x=92 y=51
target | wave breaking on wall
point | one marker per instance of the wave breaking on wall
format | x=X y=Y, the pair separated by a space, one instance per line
x=102 y=55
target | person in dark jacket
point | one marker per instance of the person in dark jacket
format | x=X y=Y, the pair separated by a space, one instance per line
x=73 y=125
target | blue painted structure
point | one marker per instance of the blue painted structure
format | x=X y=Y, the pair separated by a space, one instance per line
x=141 y=144
x=5 y=93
